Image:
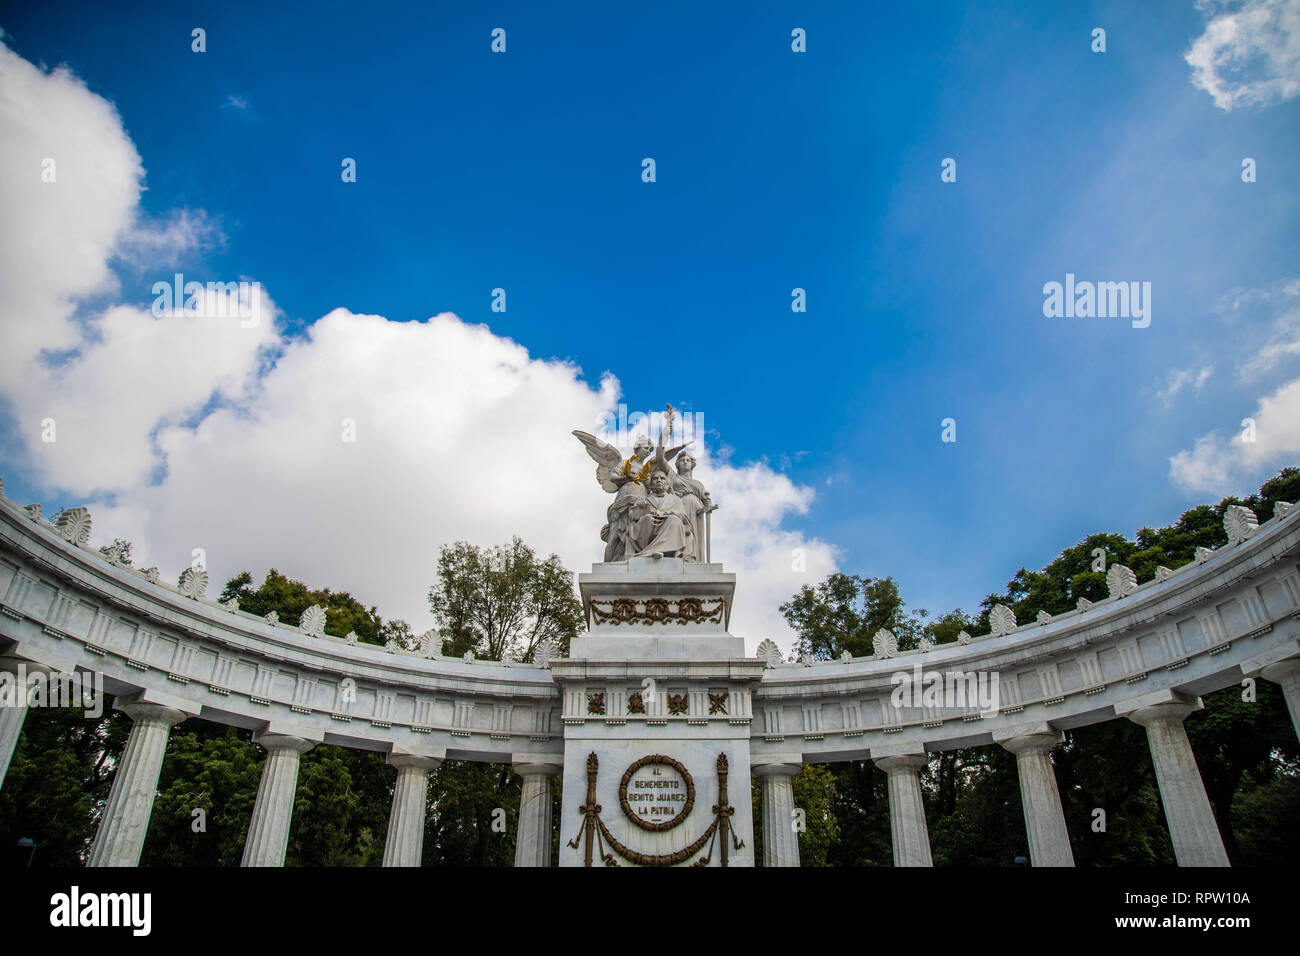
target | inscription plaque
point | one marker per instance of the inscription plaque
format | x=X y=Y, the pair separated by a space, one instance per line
x=656 y=792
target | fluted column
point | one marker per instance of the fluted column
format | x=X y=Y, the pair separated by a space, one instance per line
x=405 y=843
x=1049 y=840
x=13 y=711
x=120 y=836
x=268 y=831
x=533 y=837
x=1191 y=822
x=1286 y=673
x=780 y=838
x=906 y=810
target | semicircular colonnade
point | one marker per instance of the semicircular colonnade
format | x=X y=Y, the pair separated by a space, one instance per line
x=1147 y=653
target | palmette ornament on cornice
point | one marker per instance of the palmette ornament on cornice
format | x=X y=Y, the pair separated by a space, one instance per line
x=430 y=643
x=1240 y=523
x=149 y=574
x=885 y=644
x=33 y=511
x=543 y=652
x=192 y=582
x=1163 y=573
x=350 y=637
x=74 y=524
x=312 y=621
x=469 y=657
x=232 y=605
x=926 y=644
x=846 y=656
x=272 y=618
x=963 y=637
x=1083 y=604
x=1282 y=508
x=115 y=554
x=1203 y=554
x=1043 y=617
x=1002 y=620
x=805 y=659
x=1121 y=581
x=769 y=653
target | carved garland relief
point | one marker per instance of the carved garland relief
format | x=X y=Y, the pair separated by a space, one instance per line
x=657 y=611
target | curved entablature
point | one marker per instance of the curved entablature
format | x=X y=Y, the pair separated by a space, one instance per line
x=1228 y=613
x=66 y=606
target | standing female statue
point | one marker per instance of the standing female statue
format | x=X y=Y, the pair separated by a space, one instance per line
x=695 y=499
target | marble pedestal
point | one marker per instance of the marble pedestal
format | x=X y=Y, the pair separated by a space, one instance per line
x=657 y=707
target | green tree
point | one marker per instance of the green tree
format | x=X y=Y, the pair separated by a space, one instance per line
x=502 y=600
x=212 y=769
x=58 y=781
x=289 y=598
x=844 y=612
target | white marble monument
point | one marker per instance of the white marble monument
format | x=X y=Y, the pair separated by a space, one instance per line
x=657 y=696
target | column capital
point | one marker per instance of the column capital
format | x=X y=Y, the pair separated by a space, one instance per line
x=1165 y=712
x=1030 y=742
x=272 y=741
x=536 y=766
x=155 y=705
x=902 y=763
x=785 y=768
x=413 y=762
x=139 y=710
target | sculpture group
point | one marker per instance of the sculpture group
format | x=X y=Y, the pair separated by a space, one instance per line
x=658 y=510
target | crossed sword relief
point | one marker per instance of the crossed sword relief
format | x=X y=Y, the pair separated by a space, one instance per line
x=595 y=835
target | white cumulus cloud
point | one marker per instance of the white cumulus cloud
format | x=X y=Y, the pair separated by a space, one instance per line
x=345 y=456
x=1249 y=54
x=1270 y=439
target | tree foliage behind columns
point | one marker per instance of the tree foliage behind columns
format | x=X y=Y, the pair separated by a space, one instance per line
x=57 y=784
x=502 y=600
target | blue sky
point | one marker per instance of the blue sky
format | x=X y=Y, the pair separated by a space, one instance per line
x=775 y=170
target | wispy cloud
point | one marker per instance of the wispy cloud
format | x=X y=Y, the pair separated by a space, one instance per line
x=1283 y=300
x=239 y=106
x=1180 y=379
x=163 y=241
x=1271 y=434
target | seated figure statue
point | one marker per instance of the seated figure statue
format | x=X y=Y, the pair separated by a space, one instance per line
x=660 y=525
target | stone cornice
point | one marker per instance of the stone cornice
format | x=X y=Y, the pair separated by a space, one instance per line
x=1188 y=632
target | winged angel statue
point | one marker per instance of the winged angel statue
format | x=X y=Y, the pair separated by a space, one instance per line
x=658 y=510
